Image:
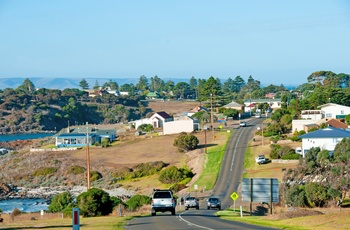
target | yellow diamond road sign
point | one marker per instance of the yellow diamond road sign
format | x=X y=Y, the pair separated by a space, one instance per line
x=234 y=196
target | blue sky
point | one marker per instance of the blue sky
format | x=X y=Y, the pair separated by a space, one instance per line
x=276 y=42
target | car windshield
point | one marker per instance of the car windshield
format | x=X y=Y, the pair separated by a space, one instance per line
x=213 y=199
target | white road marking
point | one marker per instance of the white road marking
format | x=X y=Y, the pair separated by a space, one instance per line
x=192 y=224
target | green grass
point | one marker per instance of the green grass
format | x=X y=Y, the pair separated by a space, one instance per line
x=93 y=223
x=213 y=161
x=249 y=161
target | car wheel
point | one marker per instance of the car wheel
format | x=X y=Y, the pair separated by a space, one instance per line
x=173 y=212
x=153 y=212
x=197 y=207
x=186 y=208
x=219 y=208
x=208 y=207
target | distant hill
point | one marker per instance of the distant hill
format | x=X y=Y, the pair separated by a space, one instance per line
x=64 y=83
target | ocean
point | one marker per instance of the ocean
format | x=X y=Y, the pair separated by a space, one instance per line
x=24 y=205
x=27 y=136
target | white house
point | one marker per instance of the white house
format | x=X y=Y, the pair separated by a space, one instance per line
x=157 y=120
x=325 y=139
x=181 y=124
x=272 y=102
x=332 y=110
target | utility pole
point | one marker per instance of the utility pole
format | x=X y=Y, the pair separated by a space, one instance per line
x=87 y=157
x=211 y=114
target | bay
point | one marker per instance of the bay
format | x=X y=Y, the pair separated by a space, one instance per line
x=24 y=136
x=24 y=205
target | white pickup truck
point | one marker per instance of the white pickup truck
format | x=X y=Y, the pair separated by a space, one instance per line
x=163 y=201
x=260 y=159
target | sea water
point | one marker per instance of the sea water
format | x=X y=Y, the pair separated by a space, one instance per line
x=24 y=136
x=24 y=205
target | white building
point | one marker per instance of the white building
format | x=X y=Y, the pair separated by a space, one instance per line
x=325 y=139
x=332 y=110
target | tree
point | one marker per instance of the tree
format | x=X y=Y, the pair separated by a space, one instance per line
x=193 y=83
x=180 y=89
x=27 y=87
x=145 y=128
x=60 y=202
x=95 y=202
x=112 y=85
x=83 y=84
x=96 y=86
x=143 y=83
x=186 y=142
x=157 y=84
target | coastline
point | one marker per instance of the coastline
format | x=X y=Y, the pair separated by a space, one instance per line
x=47 y=193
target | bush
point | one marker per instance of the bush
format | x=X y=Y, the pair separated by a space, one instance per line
x=186 y=142
x=94 y=202
x=137 y=201
x=75 y=169
x=45 y=171
x=60 y=202
x=145 y=128
x=94 y=175
x=105 y=142
x=174 y=175
x=291 y=156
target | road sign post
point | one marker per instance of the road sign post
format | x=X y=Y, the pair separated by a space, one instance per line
x=75 y=217
x=234 y=197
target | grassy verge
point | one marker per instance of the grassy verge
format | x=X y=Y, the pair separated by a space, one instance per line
x=213 y=161
x=336 y=220
x=46 y=222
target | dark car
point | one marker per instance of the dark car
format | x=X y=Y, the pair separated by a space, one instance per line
x=214 y=202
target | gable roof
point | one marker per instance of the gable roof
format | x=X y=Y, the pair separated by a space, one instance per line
x=328 y=132
x=331 y=104
x=163 y=115
x=337 y=124
x=233 y=104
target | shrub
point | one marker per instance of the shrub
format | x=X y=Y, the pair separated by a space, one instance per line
x=291 y=156
x=60 y=202
x=105 y=142
x=45 y=171
x=170 y=175
x=137 y=201
x=75 y=169
x=94 y=202
x=94 y=175
x=174 y=175
x=145 y=128
x=186 y=142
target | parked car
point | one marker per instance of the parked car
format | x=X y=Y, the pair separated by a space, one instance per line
x=214 y=202
x=243 y=124
x=191 y=202
x=260 y=159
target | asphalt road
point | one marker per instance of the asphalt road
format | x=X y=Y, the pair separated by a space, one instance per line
x=228 y=182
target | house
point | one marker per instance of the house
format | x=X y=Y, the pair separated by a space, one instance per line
x=180 y=124
x=81 y=136
x=249 y=108
x=152 y=96
x=332 y=110
x=196 y=110
x=170 y=124
x=312 y=114
x=325 y=139
x=234 y=105
x=274 y=103
x=157 y=120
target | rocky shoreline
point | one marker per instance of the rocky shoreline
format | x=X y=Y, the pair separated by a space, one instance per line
x=47 y=193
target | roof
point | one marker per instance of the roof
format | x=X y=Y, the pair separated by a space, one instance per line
x=331 y=104
x=63 y=135
x=328 y=132
x=337 y=124
x=163 y=115
x=197 y=109
x=233 y=104
x=263 y=100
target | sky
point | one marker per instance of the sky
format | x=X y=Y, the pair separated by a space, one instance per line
x=275 y=42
